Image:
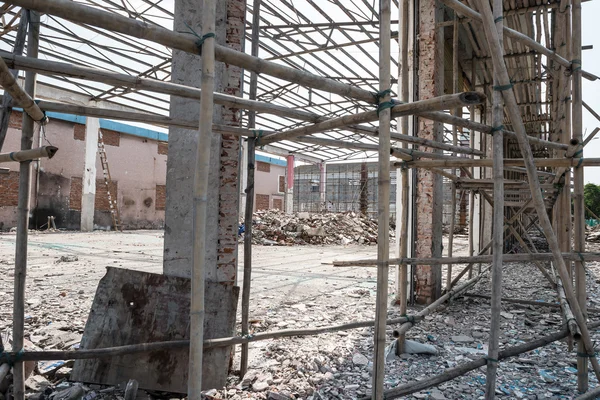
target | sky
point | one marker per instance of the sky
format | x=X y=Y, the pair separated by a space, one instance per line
x=591 y=90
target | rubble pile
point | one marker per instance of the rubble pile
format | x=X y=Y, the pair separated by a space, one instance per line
x=274 y=227
x=592 y=234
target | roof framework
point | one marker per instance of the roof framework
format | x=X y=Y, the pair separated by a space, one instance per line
x=335 y=39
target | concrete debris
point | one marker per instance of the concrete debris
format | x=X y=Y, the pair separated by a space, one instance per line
x=412 y=347
x=332 y=365
x=67 y=259
x=274 y=227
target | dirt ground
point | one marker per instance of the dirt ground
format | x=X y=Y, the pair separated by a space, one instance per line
x=293 y=287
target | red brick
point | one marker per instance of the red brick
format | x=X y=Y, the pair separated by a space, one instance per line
x=15 y=120
x=263 y=166
x=160 y=202
x=79 y=132
x=228 y=190
x=101 y=200
x=163 y=148
x=9 y=189
x=111 y=138
x=281 y=184
x=278 y=204
x=262 y=202
x=75 y=193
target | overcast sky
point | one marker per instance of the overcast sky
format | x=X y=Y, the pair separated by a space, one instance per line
x=591 y=90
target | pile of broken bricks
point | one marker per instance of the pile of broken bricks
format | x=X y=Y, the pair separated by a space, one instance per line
x=274 y=227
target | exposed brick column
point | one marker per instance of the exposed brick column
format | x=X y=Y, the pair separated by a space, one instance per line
x=227 y=251
x=429 y=188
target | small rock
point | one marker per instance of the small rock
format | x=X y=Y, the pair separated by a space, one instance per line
x=437 y=395
x=260 y=386
x=277 y=396
x=462 y=339
x=359 y=359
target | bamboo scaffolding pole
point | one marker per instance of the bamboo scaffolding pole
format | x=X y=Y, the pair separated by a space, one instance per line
x=248 y=250
x=476 y=126
x=383 y=197
x=483 y=259
x=538 y=201
x=79 y=13
x=54 y=68
x=393 y=136
x=590 y=136
x=208 y=343
x=97 y=112
x=511 y=162
x=402 y=269
x=33 y=38
x=455 y=73
x=578 y=204
x=201 y=190
x=9 y=83
x=436 y=104
x=247 y=283
x=592 y=394
x=5 y=109
x=462 y=369
x=566 y=310
x=28 y=155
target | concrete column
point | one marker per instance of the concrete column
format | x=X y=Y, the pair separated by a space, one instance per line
x=88 y=190
x=289 y=190
x=223 y=199
x=429 y=188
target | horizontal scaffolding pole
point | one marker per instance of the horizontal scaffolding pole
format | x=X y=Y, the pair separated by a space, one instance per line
x=27 y=155
x=79 y=13
x=160 y=120
x=476 y=126
x=9 y=83
x=444 y=102
x=509 y=162
x=54 y=68
x=460 y=370
x=9 y=357
x=506 y=258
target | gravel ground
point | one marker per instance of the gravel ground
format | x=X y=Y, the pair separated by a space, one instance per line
x=66 y=267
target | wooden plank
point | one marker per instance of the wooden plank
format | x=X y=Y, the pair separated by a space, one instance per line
x=132 y=307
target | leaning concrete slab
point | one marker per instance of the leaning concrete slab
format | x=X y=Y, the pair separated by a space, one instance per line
x=132 y=307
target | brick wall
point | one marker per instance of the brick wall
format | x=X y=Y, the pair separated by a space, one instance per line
x=111 y=138
x=262 y=202
x=263 y=166
x=9 y=189
x=278 y=204
x=163 y=148
x=101 y=199
x=75 y=193
x=79 y=132
x=281 y=184
x=15 y=120
x=230 y=147
x=161 y=197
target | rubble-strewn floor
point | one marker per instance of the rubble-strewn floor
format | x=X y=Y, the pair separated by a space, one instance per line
x=292 y=288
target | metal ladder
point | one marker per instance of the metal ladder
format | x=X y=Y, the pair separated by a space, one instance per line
x=114 y=210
